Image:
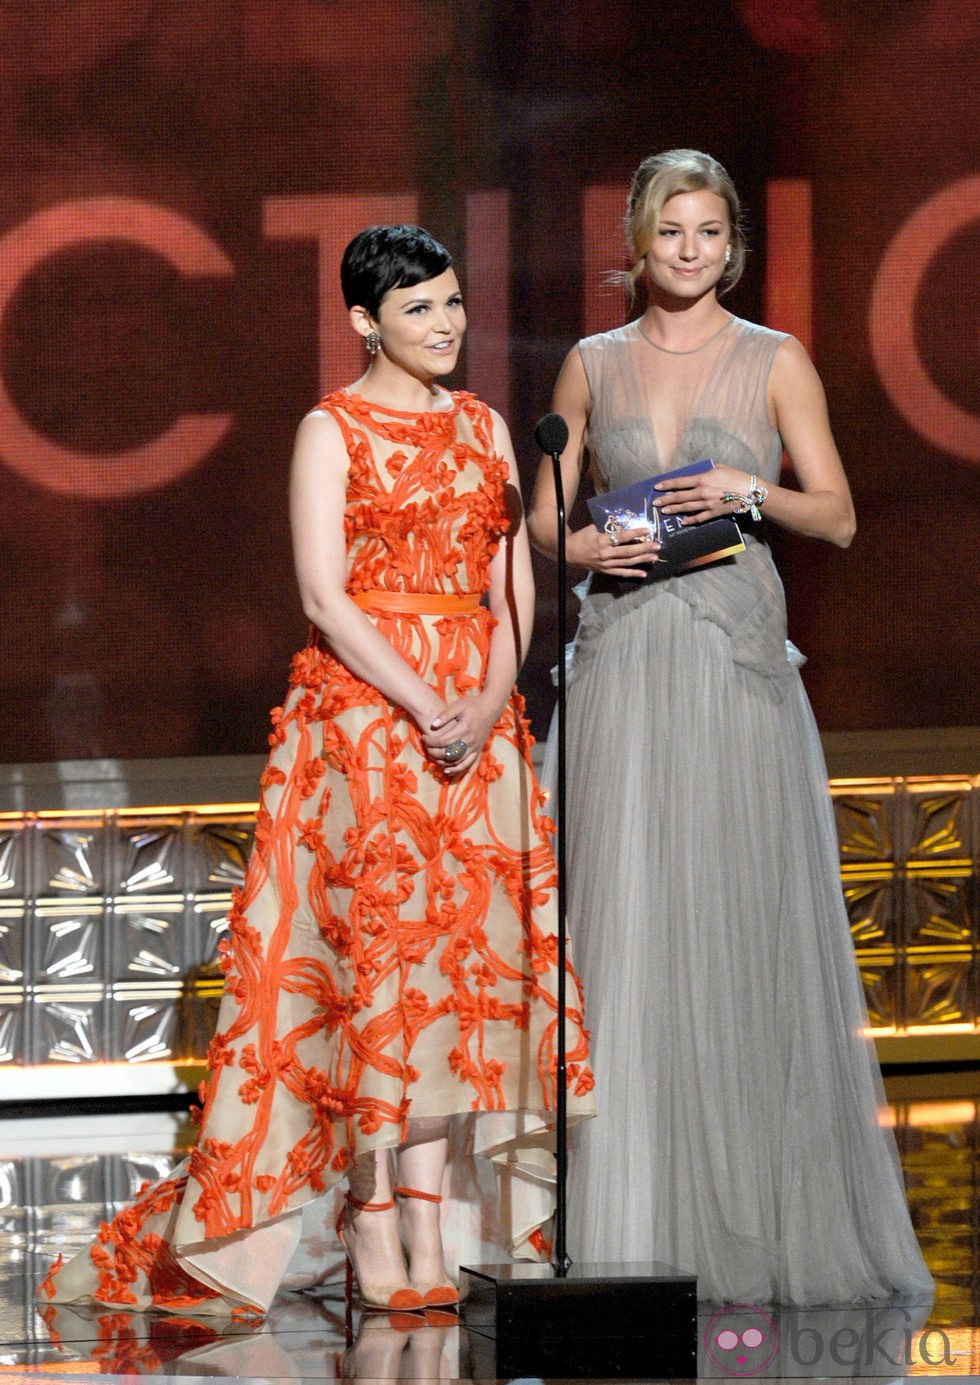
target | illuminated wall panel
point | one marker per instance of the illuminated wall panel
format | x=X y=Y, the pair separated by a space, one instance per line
x=109 y=959
x=107 y=986
x=910 y=869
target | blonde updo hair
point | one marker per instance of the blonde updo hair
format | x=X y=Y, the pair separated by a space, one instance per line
x=663 y=176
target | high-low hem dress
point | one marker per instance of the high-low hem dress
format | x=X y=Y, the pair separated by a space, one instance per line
x=741 y=1133
x=392 y=953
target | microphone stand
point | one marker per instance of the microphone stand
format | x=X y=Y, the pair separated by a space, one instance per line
x=560 y=1260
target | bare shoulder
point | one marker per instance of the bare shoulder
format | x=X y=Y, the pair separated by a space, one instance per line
x=795 y=389
x=500 y=432
x=320 y=445
x=573 y=368
x=502 y=444
x=792 y=364
x=572 y=390
x=320 y=423
x=320 y=429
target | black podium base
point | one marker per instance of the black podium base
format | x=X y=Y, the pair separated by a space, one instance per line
x=612 y=1321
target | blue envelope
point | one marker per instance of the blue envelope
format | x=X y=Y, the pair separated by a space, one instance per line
x=683 y=546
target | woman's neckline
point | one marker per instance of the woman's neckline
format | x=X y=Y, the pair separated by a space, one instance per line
x=445 y=403
x=691 y=349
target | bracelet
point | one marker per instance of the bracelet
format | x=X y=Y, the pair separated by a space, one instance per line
x=749 y=503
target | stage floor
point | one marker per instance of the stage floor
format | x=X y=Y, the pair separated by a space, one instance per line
x=61 y=1174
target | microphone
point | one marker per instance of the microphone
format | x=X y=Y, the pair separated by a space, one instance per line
x=551 y=434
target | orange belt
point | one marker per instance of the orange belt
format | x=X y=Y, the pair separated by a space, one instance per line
x=417 y=603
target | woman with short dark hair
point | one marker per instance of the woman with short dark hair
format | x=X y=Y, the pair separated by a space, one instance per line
x=391 y=976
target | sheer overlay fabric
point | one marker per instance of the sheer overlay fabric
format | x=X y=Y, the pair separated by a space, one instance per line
x=741 y=1132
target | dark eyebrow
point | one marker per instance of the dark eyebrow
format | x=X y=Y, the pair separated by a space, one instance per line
x=414 y=302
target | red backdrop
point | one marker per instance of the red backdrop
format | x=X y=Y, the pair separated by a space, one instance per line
x=179 y=180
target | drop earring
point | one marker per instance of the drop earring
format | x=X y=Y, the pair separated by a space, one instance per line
x=728 y=254
x=373 y=343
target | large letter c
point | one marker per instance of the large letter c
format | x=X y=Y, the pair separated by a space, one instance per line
x=185 y=444
x=911 y=389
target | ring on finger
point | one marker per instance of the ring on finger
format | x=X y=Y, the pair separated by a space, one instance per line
x=454 y=752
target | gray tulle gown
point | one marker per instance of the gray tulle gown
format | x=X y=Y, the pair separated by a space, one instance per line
x=740 y=1132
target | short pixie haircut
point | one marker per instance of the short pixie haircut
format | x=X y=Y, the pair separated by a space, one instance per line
x=382 y=258
x=663 y=176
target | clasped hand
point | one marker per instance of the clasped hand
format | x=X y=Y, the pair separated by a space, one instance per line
x=469 y=720
x=628 y=554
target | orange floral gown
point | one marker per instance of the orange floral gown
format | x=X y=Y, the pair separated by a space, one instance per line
x=392 y=952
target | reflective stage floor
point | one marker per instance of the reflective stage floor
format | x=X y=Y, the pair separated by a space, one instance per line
x=61 y=1174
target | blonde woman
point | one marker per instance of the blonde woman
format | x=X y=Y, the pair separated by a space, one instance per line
x=738 y=1134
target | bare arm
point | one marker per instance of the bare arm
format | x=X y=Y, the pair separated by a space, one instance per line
x=585 y=547
x=511 y=585
x=822 y=508
x=317 y=496
x=511 y=600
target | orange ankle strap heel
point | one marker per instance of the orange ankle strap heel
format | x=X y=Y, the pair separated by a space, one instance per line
x=444 y=1296
x=360 y=1206
x=402 y=1300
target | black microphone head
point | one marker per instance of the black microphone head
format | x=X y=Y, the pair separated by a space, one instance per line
x=551 y=434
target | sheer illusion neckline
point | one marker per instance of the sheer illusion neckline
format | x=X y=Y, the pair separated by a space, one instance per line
x=692 y=349
x=448 y=403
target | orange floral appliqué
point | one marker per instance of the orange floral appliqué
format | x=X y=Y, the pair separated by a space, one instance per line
x=394 y=941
